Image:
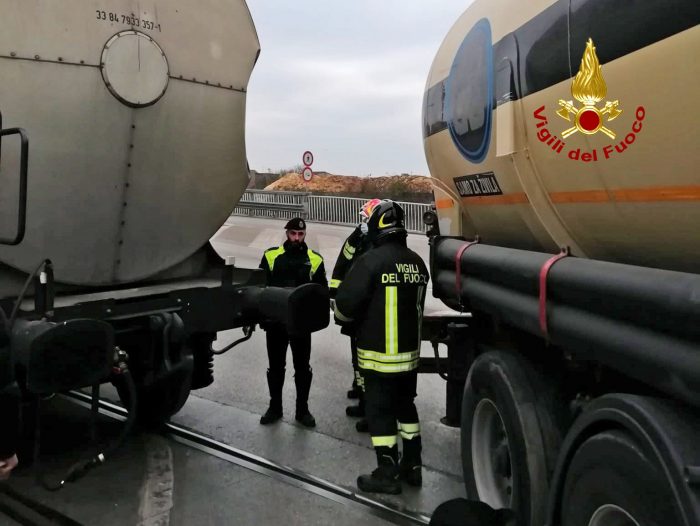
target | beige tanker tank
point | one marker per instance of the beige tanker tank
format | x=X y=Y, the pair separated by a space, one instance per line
x=135 y=113
x=536 y=146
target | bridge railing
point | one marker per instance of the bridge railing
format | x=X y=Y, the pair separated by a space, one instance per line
x=318 y=208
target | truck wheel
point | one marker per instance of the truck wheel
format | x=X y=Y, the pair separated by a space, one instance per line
x=612 y=482
x=162 y=398
x=510 y=435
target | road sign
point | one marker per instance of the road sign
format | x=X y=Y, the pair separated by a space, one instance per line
x=308 y=158
x=307 y=173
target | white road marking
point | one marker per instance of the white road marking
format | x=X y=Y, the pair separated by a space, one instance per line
x=158 y=484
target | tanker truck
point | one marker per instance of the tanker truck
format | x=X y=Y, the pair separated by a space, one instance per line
x=123 y=152
x=562 y=138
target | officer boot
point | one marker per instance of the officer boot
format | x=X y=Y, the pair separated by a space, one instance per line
x=302 y=379
x=384 y=479
x=410 y=467
x=275 y=382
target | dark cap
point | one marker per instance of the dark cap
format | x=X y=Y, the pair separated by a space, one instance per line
x=296 y=223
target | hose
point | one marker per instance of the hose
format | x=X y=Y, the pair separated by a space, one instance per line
x=248 y=331
x=81 y=468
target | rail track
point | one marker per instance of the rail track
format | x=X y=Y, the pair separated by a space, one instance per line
x=305 y=481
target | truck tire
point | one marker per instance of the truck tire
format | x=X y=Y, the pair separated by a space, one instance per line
x=162 y=398
x=612 y=482
x=511 y=435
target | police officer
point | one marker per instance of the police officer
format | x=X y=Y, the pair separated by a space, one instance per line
x=384 y=295
x=354 y=246
x=290 y=265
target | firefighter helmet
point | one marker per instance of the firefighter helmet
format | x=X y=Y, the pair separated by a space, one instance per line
x=367 y=208
x=386 y=218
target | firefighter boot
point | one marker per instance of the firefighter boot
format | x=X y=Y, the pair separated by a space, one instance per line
x=275 y=382
x=358 y=410
x=355 y=391
x=303 y=383
x=384 y=479
x=410 y=467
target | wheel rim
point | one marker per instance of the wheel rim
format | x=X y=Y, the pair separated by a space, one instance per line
x=491 y=458
x=611 y=515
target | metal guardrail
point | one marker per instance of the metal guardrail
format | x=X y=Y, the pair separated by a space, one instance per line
x=278 y=205
x=319 y=208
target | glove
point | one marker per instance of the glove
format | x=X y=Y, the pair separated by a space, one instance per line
x=364 y=228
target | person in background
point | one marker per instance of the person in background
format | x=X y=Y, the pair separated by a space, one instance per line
x=290 y=265
x=354 y=246
x=384 y=295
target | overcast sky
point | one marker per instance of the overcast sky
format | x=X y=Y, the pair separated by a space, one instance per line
x=344 y=80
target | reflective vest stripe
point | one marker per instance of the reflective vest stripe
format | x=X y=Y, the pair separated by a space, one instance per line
x=348 y=251
x=387 y=358
x=387 y=363
x=335 y=283
x=340 y=315
x=391 y=321
x=389 y=441
x=389 y=368
x=315 y=260
x=271 y=256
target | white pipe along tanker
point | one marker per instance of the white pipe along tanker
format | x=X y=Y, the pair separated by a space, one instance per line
x=562 y=137
x=123 y=152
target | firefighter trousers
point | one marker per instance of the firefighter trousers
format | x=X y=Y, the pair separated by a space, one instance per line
x=389 y=399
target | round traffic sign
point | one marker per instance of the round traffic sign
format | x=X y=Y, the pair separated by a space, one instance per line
x=307 y=173
x=308 y=158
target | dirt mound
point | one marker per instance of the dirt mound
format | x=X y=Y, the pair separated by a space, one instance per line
x=399 y=187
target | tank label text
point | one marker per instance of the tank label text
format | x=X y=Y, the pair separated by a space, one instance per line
x=609 y=151
x=127 y=20
x=482 y=184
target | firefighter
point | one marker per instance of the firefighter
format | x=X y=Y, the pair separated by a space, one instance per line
x=290 y=265
x=384 y=295
x=353 y=247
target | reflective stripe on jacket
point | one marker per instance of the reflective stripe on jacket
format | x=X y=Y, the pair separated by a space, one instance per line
x=289 y=266
x=383 y=294
x=352 y=248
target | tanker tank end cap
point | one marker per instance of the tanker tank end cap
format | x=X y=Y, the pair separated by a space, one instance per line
x=134 y=68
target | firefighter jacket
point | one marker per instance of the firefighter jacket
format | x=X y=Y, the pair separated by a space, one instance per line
x=353 y=247
x=291 y=266
x=384 y=295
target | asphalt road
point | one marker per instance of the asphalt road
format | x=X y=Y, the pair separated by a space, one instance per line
x=241 y=387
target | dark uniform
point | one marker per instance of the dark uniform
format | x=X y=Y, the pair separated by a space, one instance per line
x=290 y=265
x=384 y=295
x=355 y=245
